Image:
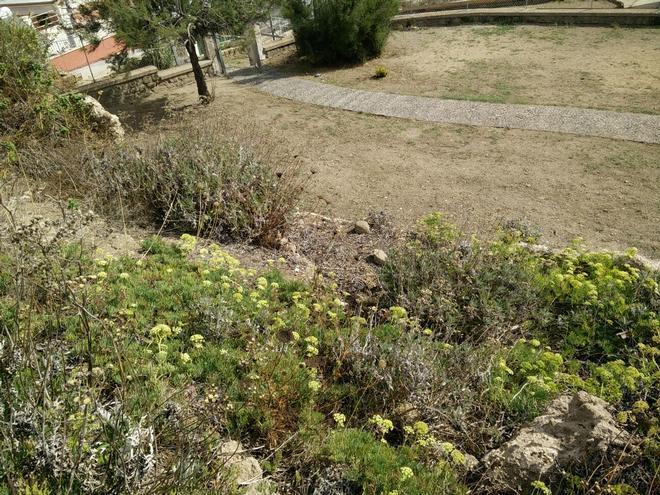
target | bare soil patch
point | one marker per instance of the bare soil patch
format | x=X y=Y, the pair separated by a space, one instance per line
x=604 y=190
x=595 y=67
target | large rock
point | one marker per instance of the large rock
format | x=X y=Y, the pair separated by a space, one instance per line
x=246 y=469
x=104 y=118
x=575 y=429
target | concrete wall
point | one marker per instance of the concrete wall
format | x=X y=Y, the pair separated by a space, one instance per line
x=180 y=76
x=77 y=59
x=140 y=82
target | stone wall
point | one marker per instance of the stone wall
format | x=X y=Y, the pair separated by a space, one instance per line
x=180 y=76
x=138 y=83
x=281 y=47
x=596 y=17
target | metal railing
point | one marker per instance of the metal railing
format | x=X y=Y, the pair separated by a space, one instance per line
x=60 y=46
x=276 y=27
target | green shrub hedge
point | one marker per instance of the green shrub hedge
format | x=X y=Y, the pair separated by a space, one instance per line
x=341 y=31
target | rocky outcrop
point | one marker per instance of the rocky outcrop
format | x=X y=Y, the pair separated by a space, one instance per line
x=245 y=469
x=105 y=119
x=575 y=429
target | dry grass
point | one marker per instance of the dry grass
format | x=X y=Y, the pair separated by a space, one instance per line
x=613 y=69
x=216 y=180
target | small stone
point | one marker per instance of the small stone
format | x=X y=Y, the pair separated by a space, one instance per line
x=290 y=247
x=408 y=413
x=361 y=227
x=318 y=74
x=575 y=429
x=378 y=257
x=471 y=462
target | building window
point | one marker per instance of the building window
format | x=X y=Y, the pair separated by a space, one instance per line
x=45 y=20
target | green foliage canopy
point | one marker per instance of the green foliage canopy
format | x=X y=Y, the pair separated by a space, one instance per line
x=146 y=23
x=341 y=31
x=32 y=102
x=150 y=24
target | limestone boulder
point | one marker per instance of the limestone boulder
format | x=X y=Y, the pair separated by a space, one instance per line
x=576 y=429
x=378 y=257
x=105 y=119
x=245 y=469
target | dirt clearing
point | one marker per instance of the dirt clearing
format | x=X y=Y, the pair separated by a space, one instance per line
x=604 y=190
x=596 y=67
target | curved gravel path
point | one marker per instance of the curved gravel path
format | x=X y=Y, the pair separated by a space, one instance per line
x=638 y=127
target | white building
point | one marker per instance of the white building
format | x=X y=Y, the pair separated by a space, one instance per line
x=54 y=19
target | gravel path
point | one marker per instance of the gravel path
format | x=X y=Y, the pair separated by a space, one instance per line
x=581 y=121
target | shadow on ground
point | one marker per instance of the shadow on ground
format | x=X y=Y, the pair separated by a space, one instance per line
x=147 y=112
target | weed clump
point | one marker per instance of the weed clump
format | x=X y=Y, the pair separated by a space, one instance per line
x=215 y=182
x=380 y=72
x=33 y=103
x=204 y=185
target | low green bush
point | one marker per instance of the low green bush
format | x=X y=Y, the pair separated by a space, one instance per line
x=341 y=31
x=215 y=182
x=594 y=305
x=32 y=105
x=463 y=289
x=214 y=188
x=376 y=467
x=149 y=363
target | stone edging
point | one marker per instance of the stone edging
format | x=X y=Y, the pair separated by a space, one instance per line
x=643 y=128
x=586 y=17
x=139 y=82
x=127 y=77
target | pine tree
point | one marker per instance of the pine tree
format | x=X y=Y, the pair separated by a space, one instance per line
x=146 y=24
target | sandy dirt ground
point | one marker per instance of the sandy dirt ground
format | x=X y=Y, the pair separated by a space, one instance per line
x=596 y=67
x=606 y=191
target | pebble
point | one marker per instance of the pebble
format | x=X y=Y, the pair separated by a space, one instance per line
x=361 y=227
x=378 y=257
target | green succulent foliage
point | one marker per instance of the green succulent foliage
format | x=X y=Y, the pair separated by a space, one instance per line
x=341 y=31
x=376 y=467
x=186 y=342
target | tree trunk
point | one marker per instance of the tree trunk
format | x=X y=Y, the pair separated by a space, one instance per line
x=202 y=88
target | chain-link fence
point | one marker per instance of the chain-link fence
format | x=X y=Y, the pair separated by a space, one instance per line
x=276 y=27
